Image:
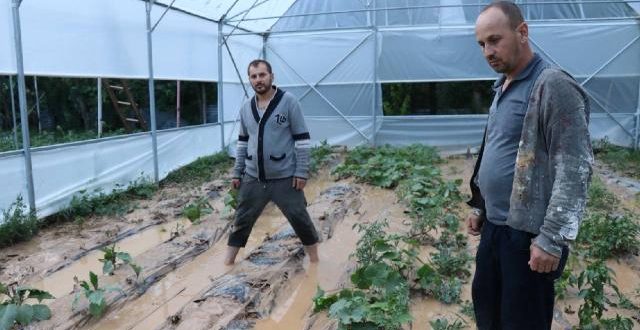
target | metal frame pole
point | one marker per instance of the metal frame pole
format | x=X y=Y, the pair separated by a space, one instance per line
x=22 y=98
x=99 y=83
x=35 y=86
x=13 y=113
x=637 y=126
x=220 y=87
x=152 y=95
x=374 y=110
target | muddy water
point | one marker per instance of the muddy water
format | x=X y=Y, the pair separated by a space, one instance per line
x=293 y=304
x=61 y=282
x=168 y=296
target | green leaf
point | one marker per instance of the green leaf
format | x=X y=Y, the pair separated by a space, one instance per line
x=96 y=297
x=41 y=312
x=8 y=315
x=36 y=293
x=124 y=256
x=24 y=314
x=107 y=267
x=136 y=269
x=97 y=309
x=94 y=280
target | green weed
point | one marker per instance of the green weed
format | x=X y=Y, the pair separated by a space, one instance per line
x=624 y=160
x=18 y=224
x=200 y=171
x=14 y=310
x=443 y=324
x=320 y=156
x=200 y=207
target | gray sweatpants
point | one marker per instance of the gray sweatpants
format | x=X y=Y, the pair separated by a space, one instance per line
x=254 y=196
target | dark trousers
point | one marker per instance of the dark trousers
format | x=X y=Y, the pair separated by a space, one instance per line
x=254 y=196
x=507 y=294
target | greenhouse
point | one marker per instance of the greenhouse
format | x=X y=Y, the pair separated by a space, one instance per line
x=342 y=60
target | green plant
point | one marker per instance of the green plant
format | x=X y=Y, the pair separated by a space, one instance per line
x=592 y=282
x=599 y=198
x=230 y=203
x=110 y=258
x=94 y=294
x=621 y=159
x=466 y=308
x=18 y=224
x=445 y=289
x=194 y=211
x=199 y=171
x=443 y=324
x=320 y=156
x=14 y=309
x=607 y=234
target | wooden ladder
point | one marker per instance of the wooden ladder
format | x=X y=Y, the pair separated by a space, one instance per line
x=124 y=105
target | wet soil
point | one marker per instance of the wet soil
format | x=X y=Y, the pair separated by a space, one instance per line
x=184 y=283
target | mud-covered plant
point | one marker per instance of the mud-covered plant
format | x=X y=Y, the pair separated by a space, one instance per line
x=446 y=289
x=592 y=282
x=94 y=294
x=230 y=203
x=110 y=258
x=604 y=235
x=200 y=207
x=17 y=223
x=15 y=310
x=320 y=156
x=445 y=324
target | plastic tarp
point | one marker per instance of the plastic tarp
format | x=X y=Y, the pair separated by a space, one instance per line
x=97 y=38
x=62 y=171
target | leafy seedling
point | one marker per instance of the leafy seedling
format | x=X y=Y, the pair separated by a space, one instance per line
x=13 y=308
x=110 y=258
x=94 y=294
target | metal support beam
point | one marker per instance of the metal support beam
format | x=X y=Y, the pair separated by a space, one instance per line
x=152 y=95
x=235 y=27
x=13 y=113
x=374 y=108
x=35 y=85
x=235 y=66
x=615 y=56
x=637 y=127
x=624 y=129
x=162 y=16
x=99 y=107
x=322 y=96
x=22 y=100
x=220 y=87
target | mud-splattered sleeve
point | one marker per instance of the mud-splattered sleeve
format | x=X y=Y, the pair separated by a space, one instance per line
x=566 y=128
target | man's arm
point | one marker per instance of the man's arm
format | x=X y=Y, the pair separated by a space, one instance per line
x=241 y=154
x=302 y=141
x=566 y=117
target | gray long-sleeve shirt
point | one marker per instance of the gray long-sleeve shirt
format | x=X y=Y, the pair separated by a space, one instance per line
x=553 y=163
x=275 y=145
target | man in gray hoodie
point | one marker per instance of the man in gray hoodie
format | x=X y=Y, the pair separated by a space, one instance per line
x=529 y=186
x=272 y=162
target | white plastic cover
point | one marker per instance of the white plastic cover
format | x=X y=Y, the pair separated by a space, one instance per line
x=62 y=171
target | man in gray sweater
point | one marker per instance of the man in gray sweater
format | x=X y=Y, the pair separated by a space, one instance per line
x=272 y=162
x=529 y=186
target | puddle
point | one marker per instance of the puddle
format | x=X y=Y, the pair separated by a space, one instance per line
x=61 y=282
x=168 y=296
x=292 y=307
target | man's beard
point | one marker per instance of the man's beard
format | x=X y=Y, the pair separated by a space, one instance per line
x=265 y=88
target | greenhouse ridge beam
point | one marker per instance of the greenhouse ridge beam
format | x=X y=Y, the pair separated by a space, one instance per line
x=186 y=12
x=482 y=5
x=22 y=98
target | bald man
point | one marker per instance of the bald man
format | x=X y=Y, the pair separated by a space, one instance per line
x=529 y=185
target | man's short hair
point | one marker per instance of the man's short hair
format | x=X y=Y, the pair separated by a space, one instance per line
x=510 y=9
x=257 y=62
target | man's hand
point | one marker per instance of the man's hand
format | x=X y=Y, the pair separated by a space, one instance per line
x=474 y=224
x=541 y=261
x=299 y=183
x=235 y=183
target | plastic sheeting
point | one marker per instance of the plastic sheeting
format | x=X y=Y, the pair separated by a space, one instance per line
x=108 y=39
x=62 y=171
